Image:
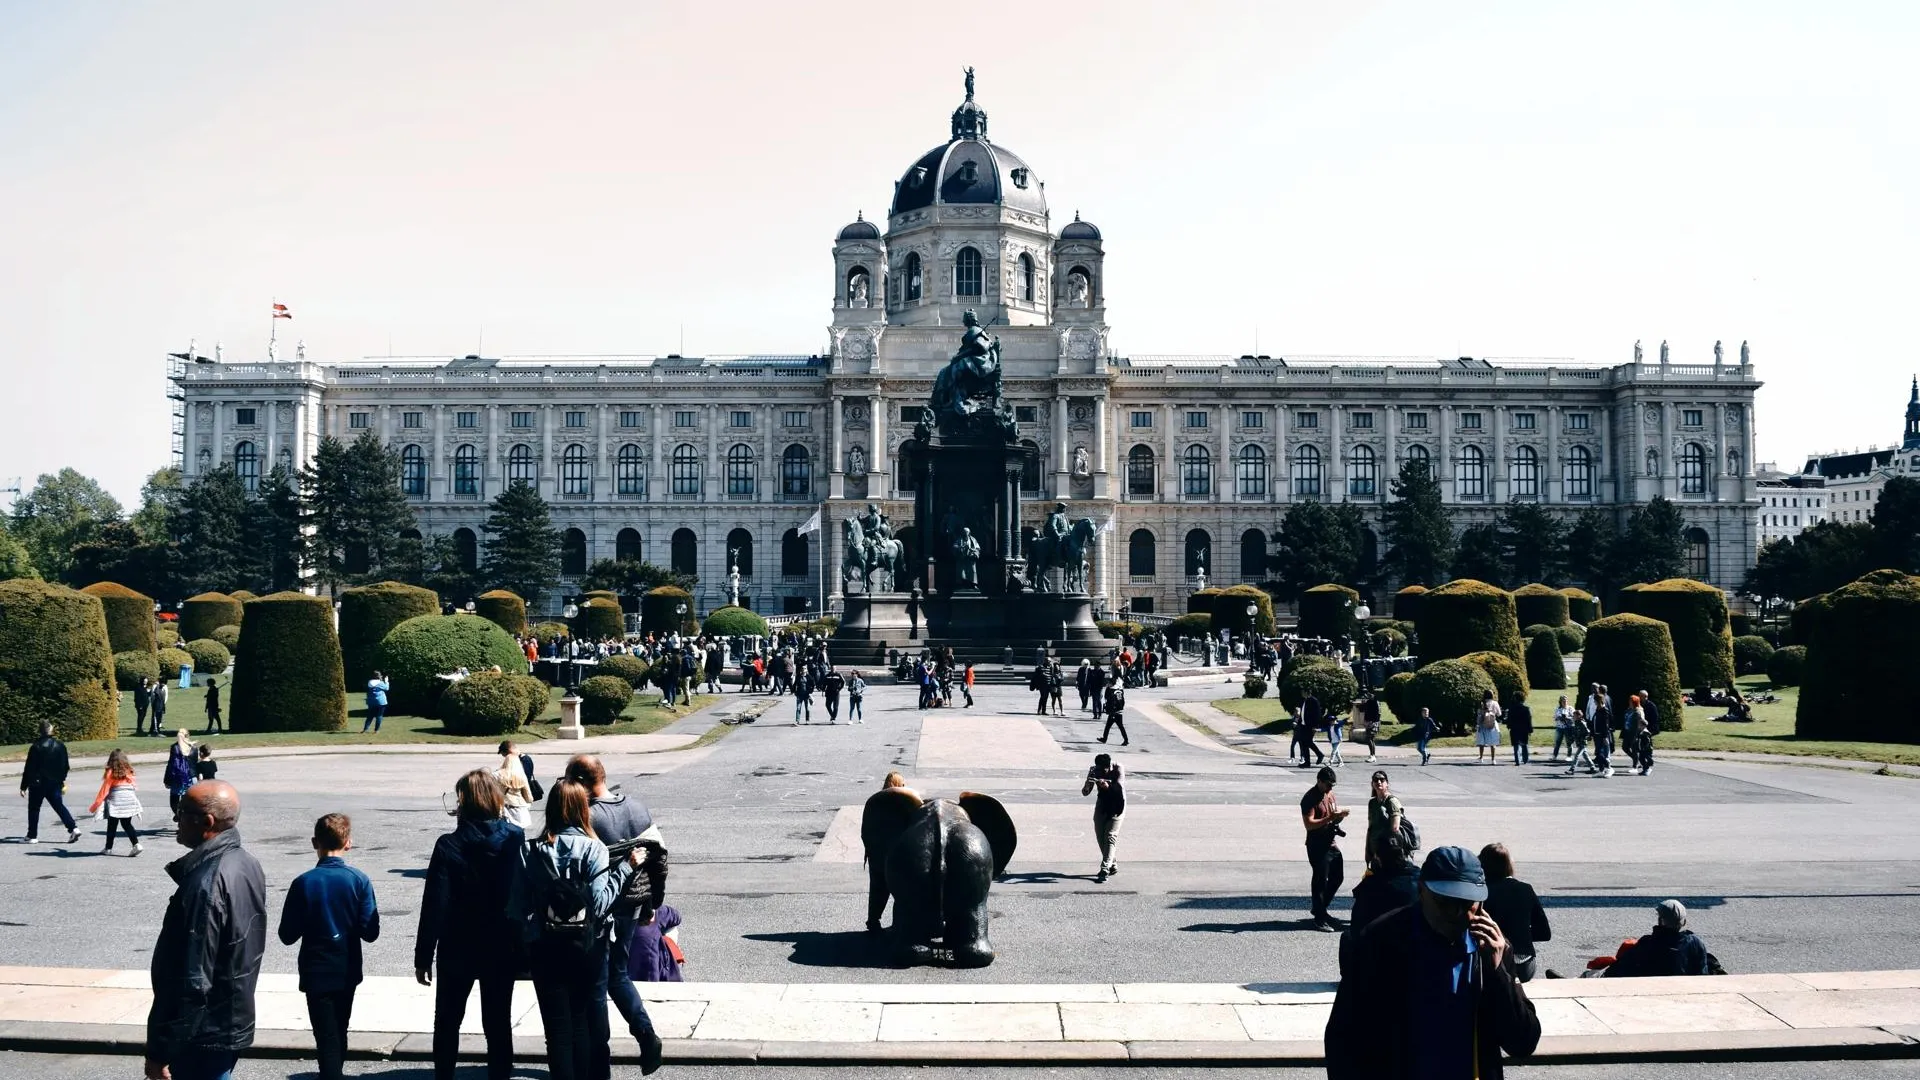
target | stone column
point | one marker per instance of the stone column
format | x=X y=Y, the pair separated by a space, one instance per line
x=273 y=431
x=1497 y=486
x=440 y=461
x=1717 y=469
x=1170 y=468
x=1282 y=473
x=493 y=479
x=1062 y=487
x=879 y=464
x=1102 y=482
x=714 y=477
x=1336 y=490
x=1391 y=459
x=549 y=469
x=1552 y=489
x=1669 y=469
x=1444 y=455
x=836 y=452
x=219 y=428
x=768 y=482
x=657 y=486
x=1224 y=487
x=1604 y=471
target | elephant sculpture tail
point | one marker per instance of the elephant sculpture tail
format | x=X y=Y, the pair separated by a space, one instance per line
x=939 y=878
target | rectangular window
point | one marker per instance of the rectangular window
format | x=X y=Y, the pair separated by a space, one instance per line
x=1026 y=414
x=1253 y=418
x=912 y=414
x=409 y=419
x=1363 y=421
x=1469 y=421
x=354 y=420
x=245 y=417
x=1523 y=421
x=1141 y=605
x=1579 y=421
x=1306 y=420
x=1196 y=419
x=630 y=418
x=520 y=419
x=466 y=419
x=683 y=418
x=740 y=418
x=795 y=418
x=1140 y=420
x=1690 y=417
x=576 y=419
x=1416 y=421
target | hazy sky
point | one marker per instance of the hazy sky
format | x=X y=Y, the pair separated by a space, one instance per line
x=1497 y=179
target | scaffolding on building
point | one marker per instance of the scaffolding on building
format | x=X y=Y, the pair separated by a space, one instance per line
x=177 y=403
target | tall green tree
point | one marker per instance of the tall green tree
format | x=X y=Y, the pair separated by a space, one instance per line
x=355 y=511
x=1591 y=541
x=1896 y=526
x=159 y=500
x=1479 y=556
x=15 y=560
x=61 y=511
x=1533 y=543
x=1652 y=546
x=522 y=548
x=1823 y=557
x=433 y=562
x=1319 y=545
x=210 y=534
x=117 y=552
x=1419 y=536
x=273 y=528
x=630 y=576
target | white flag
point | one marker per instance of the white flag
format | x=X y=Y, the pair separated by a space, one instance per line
x=812 y=525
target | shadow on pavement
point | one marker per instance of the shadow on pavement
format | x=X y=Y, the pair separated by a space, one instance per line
x=1269 y=926
x=840 y=948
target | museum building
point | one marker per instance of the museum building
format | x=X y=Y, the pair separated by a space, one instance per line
x=1185 y=462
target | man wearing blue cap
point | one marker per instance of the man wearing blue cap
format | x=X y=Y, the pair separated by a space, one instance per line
x=1430 y=991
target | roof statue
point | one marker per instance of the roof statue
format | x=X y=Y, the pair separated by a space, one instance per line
x=969 y=84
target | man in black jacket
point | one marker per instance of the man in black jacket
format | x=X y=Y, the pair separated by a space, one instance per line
x=1652 y=712
x=207 y=959
x=618 y=818
x=1428 y=991
x=44 y=780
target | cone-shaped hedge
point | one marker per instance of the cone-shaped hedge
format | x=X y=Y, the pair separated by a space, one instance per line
x=369 y=613
x=1582 y=606
x=600 y=618
x=1326 y=611
x=287 y=674
x=504 y=609
x=1631 y=653
x=732 y=621
x=1451 y=689
x=1546 y=666
x=657 y=611
x=55 y=663
x=129 y=616
x=1696 y=616
x=423 y=648
x=1538 y=604
x=200 y=614
x=1467 y=616
x=1406 y=602
x=1860 y=680
x=1230 y=610
x=1508 y=677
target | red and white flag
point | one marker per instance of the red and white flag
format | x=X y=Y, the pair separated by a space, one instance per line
x=280 y=312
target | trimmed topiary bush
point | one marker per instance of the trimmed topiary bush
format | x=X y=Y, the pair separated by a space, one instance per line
x=415 y=653
x=1334 y=685
x=504 y=609
x=1859 y=680
x=600 y=594
x=1387 y=641
x=1193 y=625
x=1546 y=667
x=603 y=698
x=1527 y=632
x=1202 y=600
x=243 y=596
x=1582 y=606
x=1230 y=610
x=368 y=613
x=1406 y=603
x=228 y=636
x=54 y=663
x=172 y=660
x=1787 y=665
x=1253 y=686
x=1467 y=616
x=1115 y=628
x=731 y=621
x=199 y=615
x=657 y=614
x=130 y=667
x=166 y=637
x=1451 y=689
x=1696 y=616
x=1539 y=604
x=631 y=668
x=1742 y=624
x=600 y=619
x=287 y=675
x=484 y=704
x=1395 y=696
x=1508 y=677
x=1326 y=611
x=1630 y=653
x=547 y=633
x=209 y=656
x=1573 y=638
x=536 y=694
x=129 y=617
x=1751 y=655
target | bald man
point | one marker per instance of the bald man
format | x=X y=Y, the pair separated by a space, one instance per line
x=207 y=960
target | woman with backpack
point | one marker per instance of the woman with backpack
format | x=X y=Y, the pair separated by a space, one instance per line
x=179 y=775
x=571 y=886
x=1486 y=736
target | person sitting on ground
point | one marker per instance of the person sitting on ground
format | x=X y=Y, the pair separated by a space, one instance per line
x=1393 y=884
x=1671 y=949
x=1516 y=907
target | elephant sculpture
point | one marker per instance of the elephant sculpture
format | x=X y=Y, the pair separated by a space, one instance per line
x=937 y=860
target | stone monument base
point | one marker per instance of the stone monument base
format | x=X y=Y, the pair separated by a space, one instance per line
x=979 y=628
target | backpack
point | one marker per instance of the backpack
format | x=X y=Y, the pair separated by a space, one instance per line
x=564 y=907
x=1409 y=833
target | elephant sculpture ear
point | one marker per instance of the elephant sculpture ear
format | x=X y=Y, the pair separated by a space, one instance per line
x=993 y=821
x=888 y=813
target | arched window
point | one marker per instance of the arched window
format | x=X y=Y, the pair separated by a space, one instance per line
x=1250 y=471
x=466 y=549
x=1699 y=554
x=413 y=471
x=466 y=470
x=686 y=470
x=686 y=552
x=1140 y=554
x=1199 y=551
x=796 y=471
x=906 y=471
x=1579 y=473
x=576 y=478
x=740 y=551
x=1733 y=463
x=793 y=554
x=1140 y=478
x=1306 y=472
x=859 y=282
x=1253 y=555
x=629 y=471
x=1471 y=482
x=1030 y=467
x=1693 y=470
x=740 y=470
x=246 y=462
x=1420 y=454
x=910 y=273
x=1196 y=471
x=1363 y=473
x=1653 y=462
x=966 y=272
x=520 y=464
x=626 y=546
x=1526 y=473
x=573 y=552
x=1026 y=278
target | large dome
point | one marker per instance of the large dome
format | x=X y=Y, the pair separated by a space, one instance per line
x=969 y=169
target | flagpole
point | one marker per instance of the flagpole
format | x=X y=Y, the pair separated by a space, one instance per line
x=273 y=324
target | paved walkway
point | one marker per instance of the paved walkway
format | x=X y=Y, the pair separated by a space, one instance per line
x=1837 y=1014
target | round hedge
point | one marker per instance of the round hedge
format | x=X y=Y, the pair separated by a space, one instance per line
x=1751 y=655
x=1395 y=695
x=504 y=609
x=243 y=596
x=1334 y=685
x=1527 y=632
x=1787 y=665
x=129 y=617
x=130 y=667
x=1860 y=680
x=546 y=633
x=1406 y=603
x=415 y=653
x=1253 y=686
x=1467 y=616
x=55 y=663
x=484 y=704
x=228 y=636
x=1630 y=653
x=209 y=656
x=368 y=613
x=171 y=661
x=631 y=668
x=1194 y=624
x=1387 y=641
x=1582 y=606
x=1742 y=624
x=1696 y=616
x=1573 y=638
x=287 y=675
x=1201 y=600
x=166 y=637
x=731 y=621
x=1230 y=610
x=1326 y=611
x=1116 y=628
x=1546 y=666
x=600 y=594
x=1451 y=689
x=1508 y=677
x=1539 y=604
x=603 y=698
x=657 y=614
x=600 y=619
x=536 y=693
x=199 y=615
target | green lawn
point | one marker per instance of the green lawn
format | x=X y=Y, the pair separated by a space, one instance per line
x=187 y=708
x=1770 y=733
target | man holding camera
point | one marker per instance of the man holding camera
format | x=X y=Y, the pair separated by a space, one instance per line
x=1321 y=814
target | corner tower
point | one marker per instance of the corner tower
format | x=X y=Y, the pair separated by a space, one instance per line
x=1911 y=440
